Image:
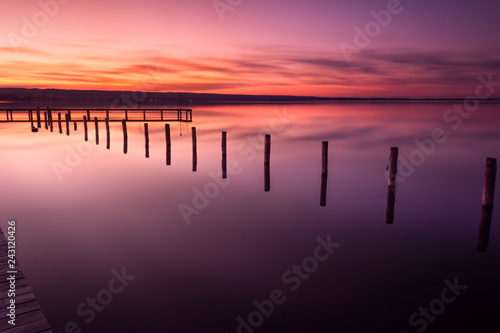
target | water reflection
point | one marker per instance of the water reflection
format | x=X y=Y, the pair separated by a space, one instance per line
x=490 y=172
x=239 y=241
x=483 y=237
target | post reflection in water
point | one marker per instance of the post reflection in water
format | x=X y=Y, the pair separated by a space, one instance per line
x=490 y=172
x=240 y=240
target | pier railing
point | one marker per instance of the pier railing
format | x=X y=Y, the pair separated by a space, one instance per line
x=113 y=115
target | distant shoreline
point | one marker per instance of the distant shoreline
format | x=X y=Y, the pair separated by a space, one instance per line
x=130 y=98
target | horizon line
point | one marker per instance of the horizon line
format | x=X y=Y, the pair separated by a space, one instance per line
x=298 y=97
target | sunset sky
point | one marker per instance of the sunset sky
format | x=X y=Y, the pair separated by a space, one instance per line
x=427 y=48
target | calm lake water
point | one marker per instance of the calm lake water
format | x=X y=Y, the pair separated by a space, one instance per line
x=195 y=253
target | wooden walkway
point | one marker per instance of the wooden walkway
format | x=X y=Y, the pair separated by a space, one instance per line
x=29 y=316
x=38 y=115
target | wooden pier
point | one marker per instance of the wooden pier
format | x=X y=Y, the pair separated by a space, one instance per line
x=114 y=115
x=29 y=316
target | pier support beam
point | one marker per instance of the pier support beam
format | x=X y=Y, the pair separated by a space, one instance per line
x=267 y=163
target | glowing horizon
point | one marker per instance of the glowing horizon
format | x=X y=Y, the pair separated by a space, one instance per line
x=258 y=47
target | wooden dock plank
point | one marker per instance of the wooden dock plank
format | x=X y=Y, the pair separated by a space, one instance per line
x=39 y=326
x=29 y=316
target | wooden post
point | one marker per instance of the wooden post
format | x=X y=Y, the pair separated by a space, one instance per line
x=75 y=127
x=161 y=112
x=85 y=128
x=108 y=138
x=125 y=136
x=69 y=115
x=224 y=155
x=169 y=144
x=267 y=163
x=144 y=114
x=393 y=168
x=38 y=120
x=389 y=211
x=59 y=122
x=107 y=114
x=324 y=173
x=126 y=115
x=88 y=115
x=7 y=114
x=45 y=120
x=30 y=117
x=391 y=193
x=146 y=136
x=195 y=154
x=67 y=123
x=96 y=130
x=483 y=237
x=51 y=123
x=490 y=173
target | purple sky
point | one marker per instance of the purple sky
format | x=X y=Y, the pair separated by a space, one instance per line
x=427 y=49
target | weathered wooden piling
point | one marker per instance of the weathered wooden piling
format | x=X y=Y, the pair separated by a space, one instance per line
x=49 y=114
x=391 y=193
x=107 y=114
x=75 y=127
x=108 y=137
x=69 y=115
x=30 y=117
x=59 y=122
x=490 y=173
x=88 y=115
x=195 y=154
x=125 y=136
x=146 y=137
x=483 y=236
x=126 y=115
x=7 y=114
x=324 y=172
x=161 y=113
x=67 y=123
x=96 y=122
x=393 y=168
x=267 y=163
x=85 y=126
x=38 y=120
x=224 y=155
x=389 y=211
x=169 y=144
x=45 y=120
x=144 y=114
